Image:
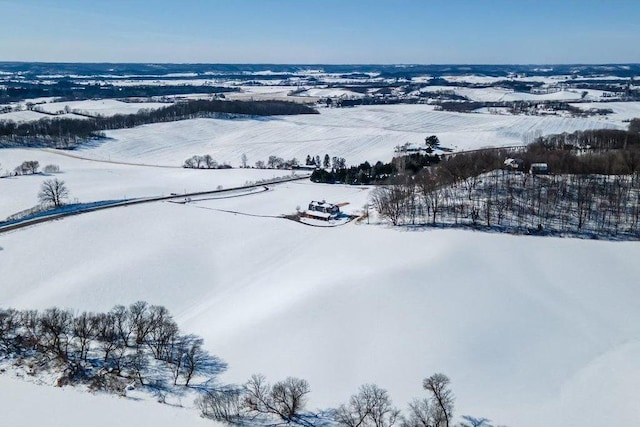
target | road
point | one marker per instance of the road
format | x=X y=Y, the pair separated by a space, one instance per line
x=181 y=197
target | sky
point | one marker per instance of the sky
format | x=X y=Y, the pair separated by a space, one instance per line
x=321 y=31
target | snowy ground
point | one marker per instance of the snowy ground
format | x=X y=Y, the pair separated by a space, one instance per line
x=532 y=331
x=497 y=94
x=102 y=107
x=621 y=110
x=524 y=326
x=358 y=134
x=90 y=181
x=25 y=405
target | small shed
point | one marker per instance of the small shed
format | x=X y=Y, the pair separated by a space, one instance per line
x=539 y=169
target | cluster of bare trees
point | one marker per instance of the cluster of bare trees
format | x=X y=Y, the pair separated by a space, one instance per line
x=107 y=348
x=142 y=344
x=31 y=167
x=597 y=139
x=588 y=205
x=28 y=167
x=203 y=162
x=258 y=402
x=593 y=190
x=276 y=162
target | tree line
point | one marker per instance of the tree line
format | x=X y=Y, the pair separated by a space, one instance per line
x=108 y=350
x=593 y=189
x=68 y=133
x=141 y=344
x=70 y=91
x=284 y=402
x=335 y=170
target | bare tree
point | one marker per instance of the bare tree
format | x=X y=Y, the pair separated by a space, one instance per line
x=123 y=325
x=371 y=407
x=285 y=399
x=420 y=414
x=209 y=162
x=244 y=159
x=190 y=163
x=225 y=405
x=53 y=192
x=51 y=169
x=390 y=202
x=56 y=326
x=140 y=320
x=443 y=399
x=29 y=167
x=84 y=331
x=289 y=396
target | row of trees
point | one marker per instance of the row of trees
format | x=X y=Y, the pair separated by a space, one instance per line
x=594 y=189
x=31 y=167
x=68 y=133
x=203 y=162
x=364 y=173
x=102 y=348
x=581 y=205
x=259 y=402
x=142 y=343
x=276 y=162
x=591 y=192
x=327 y=162
x=67 y=90
x=599 y=139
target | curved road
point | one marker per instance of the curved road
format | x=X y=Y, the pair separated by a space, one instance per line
x=40 y=220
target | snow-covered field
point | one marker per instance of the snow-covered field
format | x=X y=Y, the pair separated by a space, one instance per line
x=495 y=94
x=90 y=181
x=26 y=405
x=621 y=110
x=532 y=331
x=358 y=134
x=101 y=107
x=525 y=327
x=23 y=116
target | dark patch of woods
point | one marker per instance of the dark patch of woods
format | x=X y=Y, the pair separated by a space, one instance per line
x=366 y=173
x=592 y=190
x=69 y=133
x=69 y=91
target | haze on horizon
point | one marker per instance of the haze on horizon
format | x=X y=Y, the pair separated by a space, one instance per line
x=322 y=31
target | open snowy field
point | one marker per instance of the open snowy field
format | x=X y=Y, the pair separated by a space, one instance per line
x=358 y=134
x=23 y=116
x=496 y=94
x=90 y=181
x=62 y=407
x=532 y=331
x=621 y=110
x=101 y=107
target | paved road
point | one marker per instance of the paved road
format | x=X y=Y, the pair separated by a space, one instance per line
x=181 y=197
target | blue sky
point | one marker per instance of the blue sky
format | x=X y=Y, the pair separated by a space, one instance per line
x=321 y=31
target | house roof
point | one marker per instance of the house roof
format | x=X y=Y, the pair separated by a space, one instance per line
x=322 y=204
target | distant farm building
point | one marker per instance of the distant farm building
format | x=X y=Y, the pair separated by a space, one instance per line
x=514 y=164
x=539 y=169
x=322 y=210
